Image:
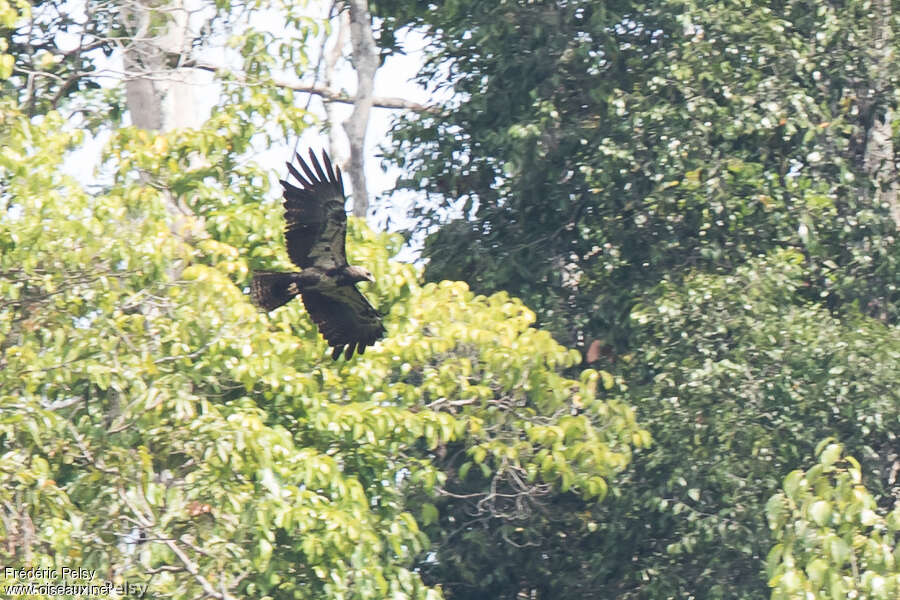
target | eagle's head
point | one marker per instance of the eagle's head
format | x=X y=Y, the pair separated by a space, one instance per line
x=357 y=274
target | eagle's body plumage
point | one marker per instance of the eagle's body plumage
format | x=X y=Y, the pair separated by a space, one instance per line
x=315 y=232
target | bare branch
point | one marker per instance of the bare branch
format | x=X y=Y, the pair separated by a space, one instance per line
x=389 y=102
x=328 y=93
x=195 y=571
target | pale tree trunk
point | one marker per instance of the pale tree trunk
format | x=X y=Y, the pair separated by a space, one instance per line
x=144 y=62
x=365 y=62
x=332 y=57
x=879 y=163
x=878 y=159
x=160 y=93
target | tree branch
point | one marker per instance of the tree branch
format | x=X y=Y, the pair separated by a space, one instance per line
x=389 y=102
x=329 y=94
x=195 y=572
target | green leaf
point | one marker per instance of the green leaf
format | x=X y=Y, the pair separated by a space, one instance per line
x=792 y=484
x=830 y=454
x=429 y=513
x=821 y=512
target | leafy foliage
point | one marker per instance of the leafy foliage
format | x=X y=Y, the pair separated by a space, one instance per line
x=832 y=541
x=9 y=14
x=682 y=191
x=590 y=149
x=681 y=183
x=56 y=50
x=156 y=427
x=494 y=520
x=738 y=378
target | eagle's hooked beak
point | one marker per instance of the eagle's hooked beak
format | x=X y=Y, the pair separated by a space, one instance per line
x=360 y=274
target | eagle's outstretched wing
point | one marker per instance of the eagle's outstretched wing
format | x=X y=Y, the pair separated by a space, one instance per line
x=345 y=318
x=315 y=233
x=315 y=220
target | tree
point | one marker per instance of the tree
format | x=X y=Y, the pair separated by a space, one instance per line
x=154 y=426
x=168 y=51
x=37 y=70
x=699 y=197
x=832 y=541
x=8 y=18
x=738 y=378
x=588 y=150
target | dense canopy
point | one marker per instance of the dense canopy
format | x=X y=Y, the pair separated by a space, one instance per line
x=648 y=350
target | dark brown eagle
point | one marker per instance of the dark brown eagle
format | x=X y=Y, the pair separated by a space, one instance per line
x=315 y=231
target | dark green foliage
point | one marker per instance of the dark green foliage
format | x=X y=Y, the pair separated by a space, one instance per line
x=593 y=147
x=739 y=378
x=56 y=48
x=594 y=150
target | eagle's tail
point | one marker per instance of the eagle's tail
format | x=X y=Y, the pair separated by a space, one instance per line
x=269 y=290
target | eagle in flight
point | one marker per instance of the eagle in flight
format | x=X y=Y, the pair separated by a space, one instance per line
x=315 y=231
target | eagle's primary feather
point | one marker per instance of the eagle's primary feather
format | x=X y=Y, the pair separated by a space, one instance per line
x=315 y=232
x=314 y=216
